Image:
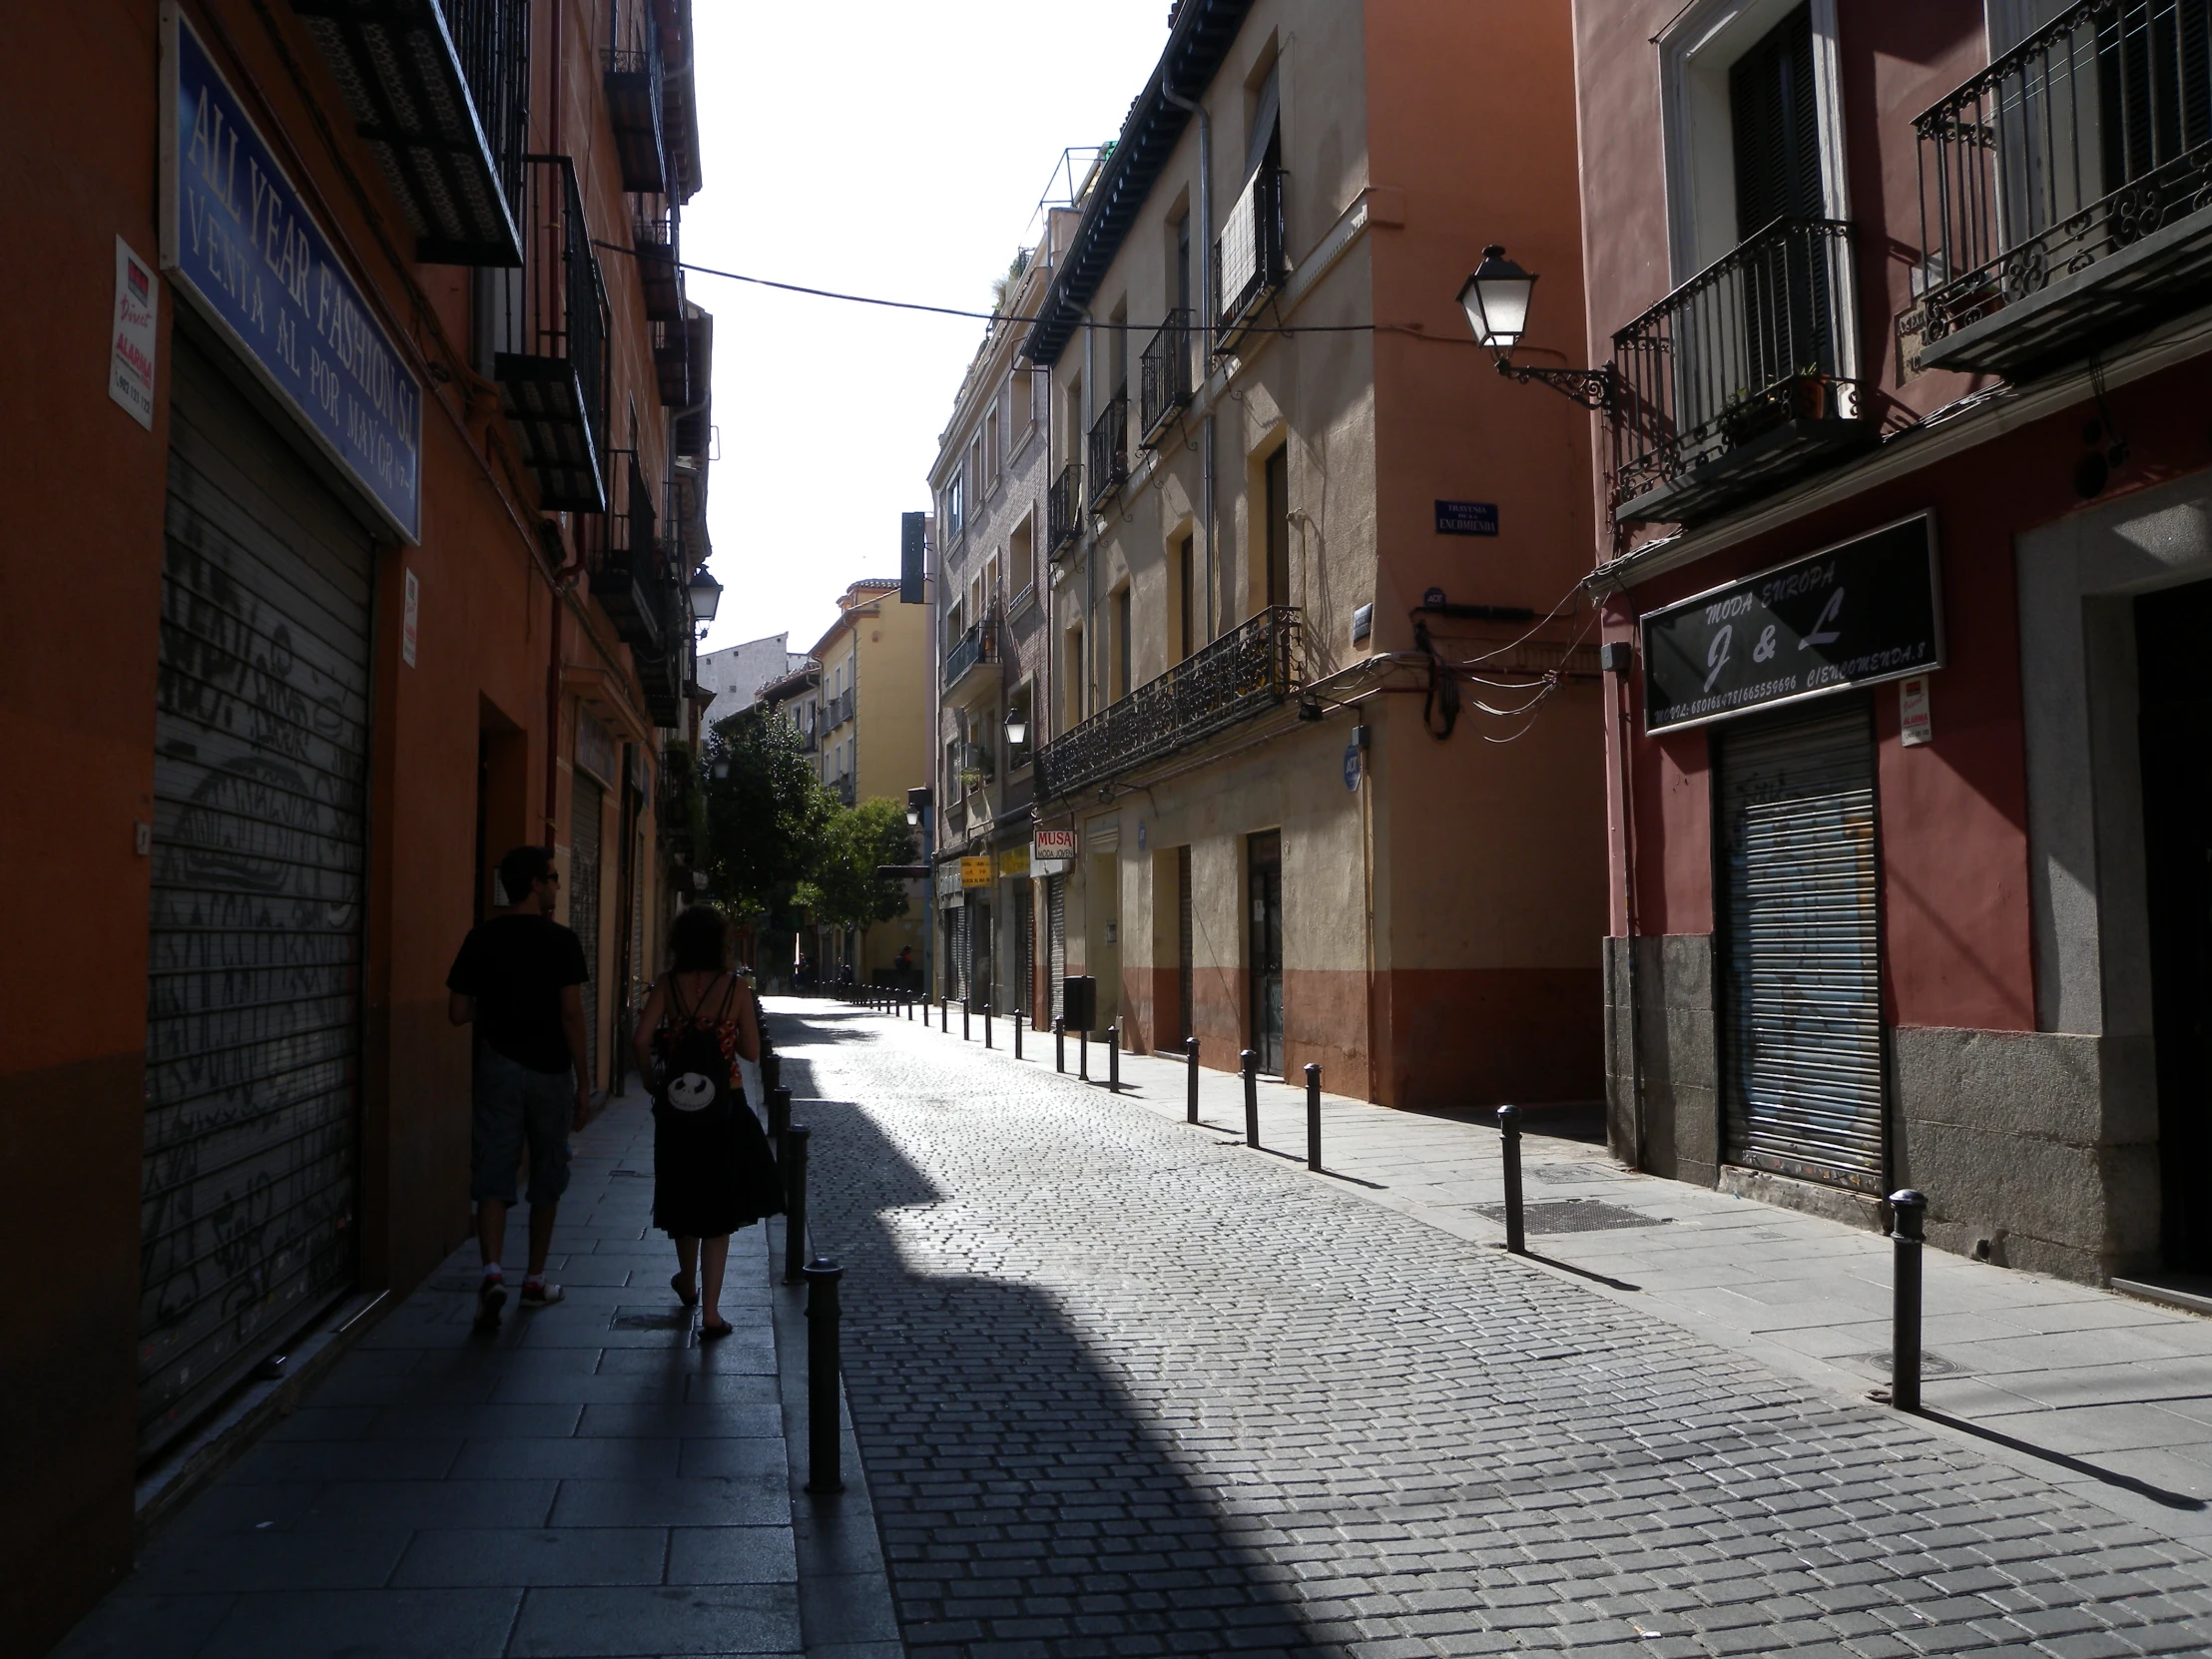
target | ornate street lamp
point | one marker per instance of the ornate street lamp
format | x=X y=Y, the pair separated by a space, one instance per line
x=706 y=595
x=1016 y=730
x=1496 y=299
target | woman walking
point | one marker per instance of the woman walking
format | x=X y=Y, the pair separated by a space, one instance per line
x=711 y=1170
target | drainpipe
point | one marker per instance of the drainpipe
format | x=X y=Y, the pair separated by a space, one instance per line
x=1205 y=251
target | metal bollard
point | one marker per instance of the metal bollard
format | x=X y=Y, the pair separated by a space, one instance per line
x=778 y=1118
x=1313 y=1117
x=987 y=1026
x=1907 y=1229
x=771 y=1070
x=1083 y=1054
x=964 y=1010
x=1252 y=1097
x=824 y=1461
x=1190 y=1066
x=795 y=1203
x=1509 y=1130
x=1019 y=1019
x=1113 y=1058
x=1060 y=1045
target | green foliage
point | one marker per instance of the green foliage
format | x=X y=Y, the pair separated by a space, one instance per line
x=843 y=888
x=767 y=811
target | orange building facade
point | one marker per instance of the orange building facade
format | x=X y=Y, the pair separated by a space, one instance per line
x=358 y=405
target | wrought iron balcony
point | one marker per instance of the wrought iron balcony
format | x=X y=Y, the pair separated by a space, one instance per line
x=1063 y=509
x=844 y=789
x=546 y=328
x=1249 y=264
x=837 y=710
x=629 y=570
x=667 y=677
x=2067 y=191
x=1246 y=671
x=633 y=82
x=1742 y=380
x=975 y=650
x=441 y=93
x=1110 y=449
x=1164 y=379
x=657 y=241
x=672 y=364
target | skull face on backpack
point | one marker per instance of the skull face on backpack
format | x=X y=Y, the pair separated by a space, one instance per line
x=698 y=1073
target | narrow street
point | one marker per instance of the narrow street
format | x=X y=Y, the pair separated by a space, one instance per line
x=1123 y=1387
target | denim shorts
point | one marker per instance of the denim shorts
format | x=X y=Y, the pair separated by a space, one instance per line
x=514 y=1104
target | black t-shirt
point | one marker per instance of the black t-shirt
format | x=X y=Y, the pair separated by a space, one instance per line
x=516 y=967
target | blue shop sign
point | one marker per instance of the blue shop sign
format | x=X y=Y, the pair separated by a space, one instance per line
x=245 y=252
x=1466 y=518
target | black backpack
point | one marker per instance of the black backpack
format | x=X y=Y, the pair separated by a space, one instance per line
x=697 y=1077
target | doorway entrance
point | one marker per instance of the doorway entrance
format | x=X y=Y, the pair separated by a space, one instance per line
x=2176 y=736
x=1264 y=890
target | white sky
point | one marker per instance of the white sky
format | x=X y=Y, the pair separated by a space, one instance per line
x=880 y=147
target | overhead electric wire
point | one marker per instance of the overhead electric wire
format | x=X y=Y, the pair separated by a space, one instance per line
x=1001 y=316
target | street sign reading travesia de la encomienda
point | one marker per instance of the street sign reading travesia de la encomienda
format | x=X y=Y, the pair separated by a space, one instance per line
x=1865 y=611
x=247 y=252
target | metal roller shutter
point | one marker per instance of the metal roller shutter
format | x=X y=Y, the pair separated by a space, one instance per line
x=253 y=990
x=1056 y=941
x=1801 y=1053
x=586 y=818
x=1025 y=949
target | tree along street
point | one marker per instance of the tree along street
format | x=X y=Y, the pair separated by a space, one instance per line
x=1124 y=1387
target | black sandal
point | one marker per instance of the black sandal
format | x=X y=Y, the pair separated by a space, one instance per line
x=714 y=1333
x=678 y=1283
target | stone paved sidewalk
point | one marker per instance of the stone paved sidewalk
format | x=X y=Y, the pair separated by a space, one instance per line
x=1127 y=1388
x=590 y=1482
x=2098 y=1392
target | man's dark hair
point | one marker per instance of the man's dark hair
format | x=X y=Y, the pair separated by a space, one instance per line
x=520 y=867
x=699 y=940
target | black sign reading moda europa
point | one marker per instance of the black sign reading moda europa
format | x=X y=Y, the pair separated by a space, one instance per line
x=1865 y=611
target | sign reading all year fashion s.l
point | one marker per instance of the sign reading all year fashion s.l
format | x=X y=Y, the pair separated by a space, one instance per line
x=1856 y=613
x=243 y=249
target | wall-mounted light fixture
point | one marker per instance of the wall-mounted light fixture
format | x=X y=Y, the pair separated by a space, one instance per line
x=706 y=595
x=1016 y=730
x=1496 y=299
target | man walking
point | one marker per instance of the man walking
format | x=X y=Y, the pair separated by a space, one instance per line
x=519 y=977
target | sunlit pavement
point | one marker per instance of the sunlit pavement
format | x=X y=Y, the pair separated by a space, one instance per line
x=1124 y=1386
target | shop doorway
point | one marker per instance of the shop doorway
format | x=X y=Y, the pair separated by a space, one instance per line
x=1800 y=948
x=2176 y=734
x=1264 y=890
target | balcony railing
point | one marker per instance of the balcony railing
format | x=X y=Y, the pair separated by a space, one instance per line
x=1248 y=669
x=546 y=328
x=1249 y=264
x=837 y=710
x=1741 y=379
x=672 y=364
x=2065 y=191
x=1109 y=455
x=629 y=570
x=657 y=241
x=1063 y=509
x=844 y=789
x=441 y=94
x=976 y=648
x=1164 y=380
x=633 y=83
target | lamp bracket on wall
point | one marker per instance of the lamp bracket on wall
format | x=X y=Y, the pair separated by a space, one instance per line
x=1590 y=387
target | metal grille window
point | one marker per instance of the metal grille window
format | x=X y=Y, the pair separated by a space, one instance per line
x=1248 y=258
x=1801 y=1024
x=253 y=1049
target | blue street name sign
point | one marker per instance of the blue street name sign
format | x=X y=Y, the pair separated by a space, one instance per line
x=1466 y=518
x=243 y=249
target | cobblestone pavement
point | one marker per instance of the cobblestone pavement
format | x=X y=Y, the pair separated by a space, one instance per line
x=1124 y=1387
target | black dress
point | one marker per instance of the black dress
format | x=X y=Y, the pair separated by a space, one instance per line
x=712 y=1172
